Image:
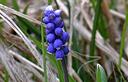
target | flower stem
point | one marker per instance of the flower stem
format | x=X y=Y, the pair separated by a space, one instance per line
x=44 y=54
x=64 y=65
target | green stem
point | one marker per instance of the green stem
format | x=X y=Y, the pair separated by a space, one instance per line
x=65 y=70
x=95 y=27
x=44 y=53
x=49 y=2
x=123 y=35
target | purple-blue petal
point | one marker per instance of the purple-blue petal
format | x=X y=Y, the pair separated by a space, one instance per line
x=45 y=20
x=50 y=48
x=65 y=50
x=48 y=10
x=50 y=26
x=65 y=37
x=51 y=16
x=50 y=37
x=58 y=12
x=58 y=31
x=57 y=21
x=47 y=31
x=61 y=25
x=59 y=54
x=58 y=43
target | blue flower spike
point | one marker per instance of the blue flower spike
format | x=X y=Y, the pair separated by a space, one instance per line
x=56 y=37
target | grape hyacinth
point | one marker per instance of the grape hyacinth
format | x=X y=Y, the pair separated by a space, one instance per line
x=55 y=34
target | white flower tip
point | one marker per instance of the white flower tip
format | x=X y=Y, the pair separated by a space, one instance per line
x=49 y=8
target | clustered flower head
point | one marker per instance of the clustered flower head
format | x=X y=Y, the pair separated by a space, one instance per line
x=55 y=34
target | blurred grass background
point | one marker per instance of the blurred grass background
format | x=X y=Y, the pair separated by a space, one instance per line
x=98 y=41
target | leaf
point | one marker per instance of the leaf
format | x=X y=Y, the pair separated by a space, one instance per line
x=95 y=27
x=102 y=27
x=100 y=74
x=123 y=35
x=49 y=2
x=15 y=5
x=26 y=9
x=4 y=2
x=44 y=53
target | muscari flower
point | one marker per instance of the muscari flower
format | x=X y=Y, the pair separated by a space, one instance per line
x=55 y=34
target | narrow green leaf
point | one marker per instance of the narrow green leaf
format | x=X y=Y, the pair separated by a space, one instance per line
x=49 y=2
x=100 y=74
x=4 y=2
x=102 y=27
x=44 y=53
x=28 y=25
x=6 y=77
x=125 y=27
x=15 y=5
x=95 y=27
x=26 y=9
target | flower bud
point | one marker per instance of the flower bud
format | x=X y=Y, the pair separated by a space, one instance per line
x=58 y=31
x=65 y=50
x=50 y=26
x=58 y=43
x=65 y=37
x=50 y=48
x=58 y=12
x=50 y=38
x=57 y=21
x=45 y=20
x=59 y=54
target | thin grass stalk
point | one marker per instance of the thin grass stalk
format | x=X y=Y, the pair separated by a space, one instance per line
x=125 y=26
x=95 y=27
x=64 y=65
x=44 y=53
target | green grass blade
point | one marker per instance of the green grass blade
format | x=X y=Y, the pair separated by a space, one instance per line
x=95 y=27
x=49 y=2
x=100 y=74
x=44 y=53
x=29 y=25
x=123 y=37
x=57 y=65
x=4 y=2
x=6 y=77
x=15 y=5
x=26 y=9
x=102 y=27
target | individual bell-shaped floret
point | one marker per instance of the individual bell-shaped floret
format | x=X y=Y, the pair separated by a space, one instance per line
x=58 y=31
x=65 y=37
x=65 y=50
x=59 y=54
x=57 y=12
x=57 y=21
x=51 y=16
x=50 y=48
x=47 y=31
x=50 y=26
x=61 y=25
x=48 y=10
x=58 y=43
x=50 y=37
x=45 y=20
